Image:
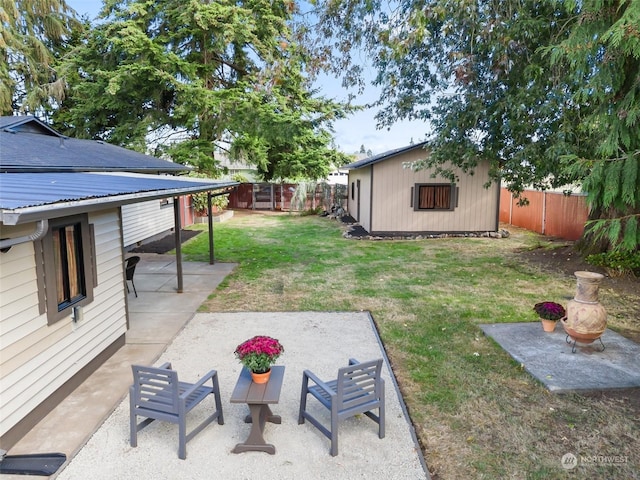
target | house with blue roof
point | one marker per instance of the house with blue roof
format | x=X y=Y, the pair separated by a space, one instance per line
x=387 y=197
x=68 y=210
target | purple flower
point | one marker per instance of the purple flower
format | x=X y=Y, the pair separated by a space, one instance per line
x=259 y=353
x=549 y=310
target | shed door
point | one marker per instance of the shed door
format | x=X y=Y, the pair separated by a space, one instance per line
x=358 y=197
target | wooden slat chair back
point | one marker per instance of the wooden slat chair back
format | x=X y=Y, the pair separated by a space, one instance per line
x=157 y=394
x=359 y=388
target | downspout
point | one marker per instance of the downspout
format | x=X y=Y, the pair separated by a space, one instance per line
x=41 y=229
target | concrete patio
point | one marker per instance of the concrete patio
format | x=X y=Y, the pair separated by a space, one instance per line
x=91 y=425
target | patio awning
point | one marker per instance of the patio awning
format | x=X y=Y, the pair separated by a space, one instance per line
x=29 y=197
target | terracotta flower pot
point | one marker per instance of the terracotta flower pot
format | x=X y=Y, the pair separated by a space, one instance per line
x=261 y=377
x=548 y=325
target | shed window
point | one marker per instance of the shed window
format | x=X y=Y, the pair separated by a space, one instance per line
x=69 y=270
x=440 y=196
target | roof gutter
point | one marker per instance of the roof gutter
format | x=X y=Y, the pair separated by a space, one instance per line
x=41 y=229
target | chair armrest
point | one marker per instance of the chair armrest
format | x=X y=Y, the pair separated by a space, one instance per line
x=353 y=361
x=309 y=374
x=166 y=365
x=199 y=383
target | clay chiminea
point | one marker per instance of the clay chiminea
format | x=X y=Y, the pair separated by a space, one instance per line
x=586 y=318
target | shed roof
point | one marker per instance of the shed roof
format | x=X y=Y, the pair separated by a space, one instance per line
x=383 y=156
x=29 y=145
x=26 y=197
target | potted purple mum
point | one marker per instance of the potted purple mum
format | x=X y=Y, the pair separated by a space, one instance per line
x=549 y=313
x=258 y=354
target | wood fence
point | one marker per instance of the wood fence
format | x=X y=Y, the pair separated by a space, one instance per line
x=549 y=213
x=282 y=196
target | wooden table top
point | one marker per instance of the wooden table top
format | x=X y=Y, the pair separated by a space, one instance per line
x=246 y=391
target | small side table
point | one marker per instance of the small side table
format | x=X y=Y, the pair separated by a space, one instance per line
x=258 y=396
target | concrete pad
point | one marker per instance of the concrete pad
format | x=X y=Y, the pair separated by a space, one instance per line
x=153 y=282
x=548 y=357
x=157 y=327
x=159 y=301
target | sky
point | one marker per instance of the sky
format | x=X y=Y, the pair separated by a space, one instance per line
x=351 y=133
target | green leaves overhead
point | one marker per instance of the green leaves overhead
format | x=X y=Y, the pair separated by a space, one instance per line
x=547 y=92
x=199 y=80
x=35 y=35
x=601 y=57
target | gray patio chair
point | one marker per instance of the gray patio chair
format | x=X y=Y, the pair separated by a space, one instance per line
x=359 y=388
x=157 y=394
x=130 y=269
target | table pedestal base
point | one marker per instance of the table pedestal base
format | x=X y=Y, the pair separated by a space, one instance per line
x=259 y=415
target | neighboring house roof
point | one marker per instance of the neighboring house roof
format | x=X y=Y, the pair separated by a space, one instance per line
x=29 y=145
x=27 y=197
x=383 y=156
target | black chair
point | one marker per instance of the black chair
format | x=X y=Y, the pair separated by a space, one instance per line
x=359 y=388
x=157 y=394
x=130 y=269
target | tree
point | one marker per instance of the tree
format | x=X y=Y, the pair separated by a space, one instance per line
x=35 y=35
x=197 y=77
x=602 y=59
x=482 y=74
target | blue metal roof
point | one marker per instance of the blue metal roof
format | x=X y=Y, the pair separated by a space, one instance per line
x=383 y=156
x=32 y=196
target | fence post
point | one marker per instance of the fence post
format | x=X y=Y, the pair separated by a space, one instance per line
x=272 y=197
x=544 y=212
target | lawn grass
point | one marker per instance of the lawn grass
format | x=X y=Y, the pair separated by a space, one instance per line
x=477 y=413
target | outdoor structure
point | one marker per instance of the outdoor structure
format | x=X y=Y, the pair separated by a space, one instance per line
x=385 y=197
x=63 y=307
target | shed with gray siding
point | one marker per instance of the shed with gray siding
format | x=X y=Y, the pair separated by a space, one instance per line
x=387 y=198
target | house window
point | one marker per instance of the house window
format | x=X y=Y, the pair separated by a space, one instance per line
x=68 y=260
x=435 y=196
x=69 y=266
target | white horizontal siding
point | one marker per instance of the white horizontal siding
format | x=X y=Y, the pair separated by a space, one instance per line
x=37 y=359
x=19 y=310
x=146 y=219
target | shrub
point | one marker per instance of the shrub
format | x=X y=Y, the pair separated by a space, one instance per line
x=617 y=263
